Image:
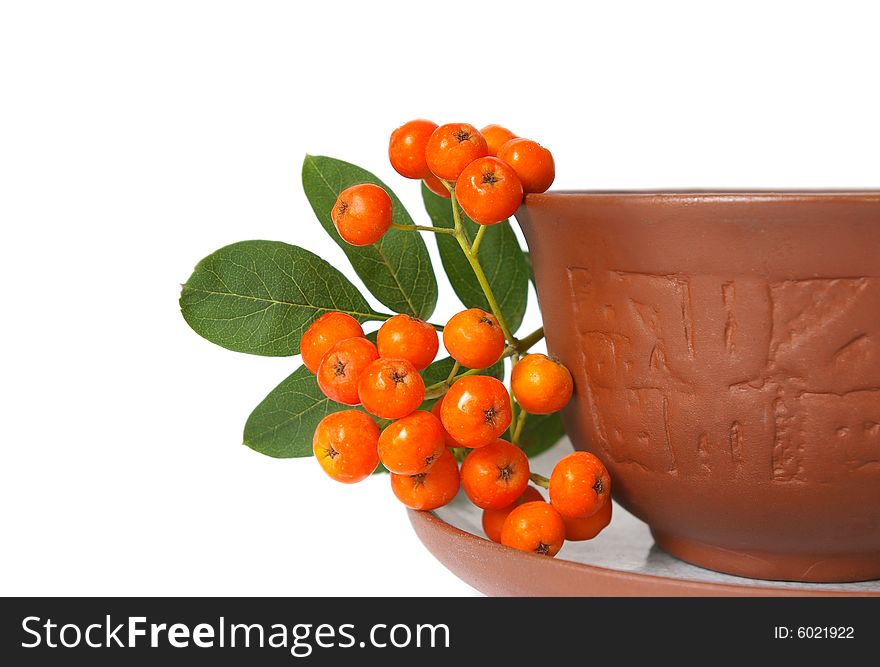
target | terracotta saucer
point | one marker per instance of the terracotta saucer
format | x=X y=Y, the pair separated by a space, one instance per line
x=622 y=561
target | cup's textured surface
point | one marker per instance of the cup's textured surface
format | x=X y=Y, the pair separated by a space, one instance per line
x=726 y=355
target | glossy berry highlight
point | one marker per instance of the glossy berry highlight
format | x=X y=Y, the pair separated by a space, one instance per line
x=324 y=333
x=476 y=410
x=362 y=214
x=431 y=489
x=345 y=444
x=496 y=475
x=341 y=367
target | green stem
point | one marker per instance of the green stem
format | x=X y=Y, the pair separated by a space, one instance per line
x=540 y=480
x=517 y=429
x=438 y=389
x=478 y=239
x=422 y=228
x=452 y=373
x=478 y=270
x=523 y=344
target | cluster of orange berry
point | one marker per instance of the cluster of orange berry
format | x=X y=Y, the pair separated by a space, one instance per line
x=488 y=172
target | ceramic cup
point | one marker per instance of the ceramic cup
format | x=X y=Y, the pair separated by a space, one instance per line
x=726 y=355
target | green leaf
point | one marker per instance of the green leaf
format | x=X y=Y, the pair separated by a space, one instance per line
x=500 y=255
x=540 y=433
x=260 y=296
x=282 y=425
x=397 y=269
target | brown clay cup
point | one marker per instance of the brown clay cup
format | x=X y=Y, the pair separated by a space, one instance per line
x=725 y=349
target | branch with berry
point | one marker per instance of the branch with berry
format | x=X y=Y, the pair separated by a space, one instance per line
x=382 y=402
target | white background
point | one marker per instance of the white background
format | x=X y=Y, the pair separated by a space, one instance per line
x=135 y=138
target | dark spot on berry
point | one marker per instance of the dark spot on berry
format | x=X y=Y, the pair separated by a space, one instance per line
x=332 y=453
x=489 y=178
x=598 y=487
x=339 y=368
x=491 y=416
x=343 y=207
x=543 y=549
x=429 y=460
x=461 y=135
x=397 y=376
x=418 y=480
x=487 y=320
x=505 y=473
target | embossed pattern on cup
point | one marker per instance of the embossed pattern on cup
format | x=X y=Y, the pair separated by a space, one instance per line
x=726 y=355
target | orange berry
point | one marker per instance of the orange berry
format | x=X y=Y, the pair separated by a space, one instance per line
x=579 y=485
x=476 y=410
x=341 y=368
x=323 y=334
x=588 y=528
x=406 y=150
x=532 y=163
x=535 y=527
x=430 y=489
x=412 y=444
x=345 y=445
x=362 y=214
x=436 y=186
x=493 y=520
x=496 y=136
x=540 y=384
x=473 y=338
x=452 y=147
x=405 y=337
x=391 y=388
x=435 y=410
x=495 y=475
x=489 y=191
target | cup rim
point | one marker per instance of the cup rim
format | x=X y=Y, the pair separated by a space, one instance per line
x=717 y=194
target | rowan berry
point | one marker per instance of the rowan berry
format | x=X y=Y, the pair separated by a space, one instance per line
x=473 y=338
x=493 y=520
x=345 y=445
x=341 y=368
x=362 y=214
x=476 y=410
x=406 y=149
x=588 y=528
x=405 y=337
x=452 y=147
x=410 y=445
x=489 y=191
x=324 y=333
x=532 y=163
x=535 y=527
x=437 y=186
x=540 y=384
x=430 y=489
x=496 y=136
x=579 y=485
x=391 y=388
x=494 y=476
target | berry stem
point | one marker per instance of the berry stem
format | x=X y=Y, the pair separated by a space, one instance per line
x=452 y=373
x=440 y=388
x=540 y=480
x=518 y=427
x=524 y=344
x=478 y=239
x=422 y=228
x=478 y=269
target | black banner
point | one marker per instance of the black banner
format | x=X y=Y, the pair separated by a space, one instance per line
x=414 y=631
